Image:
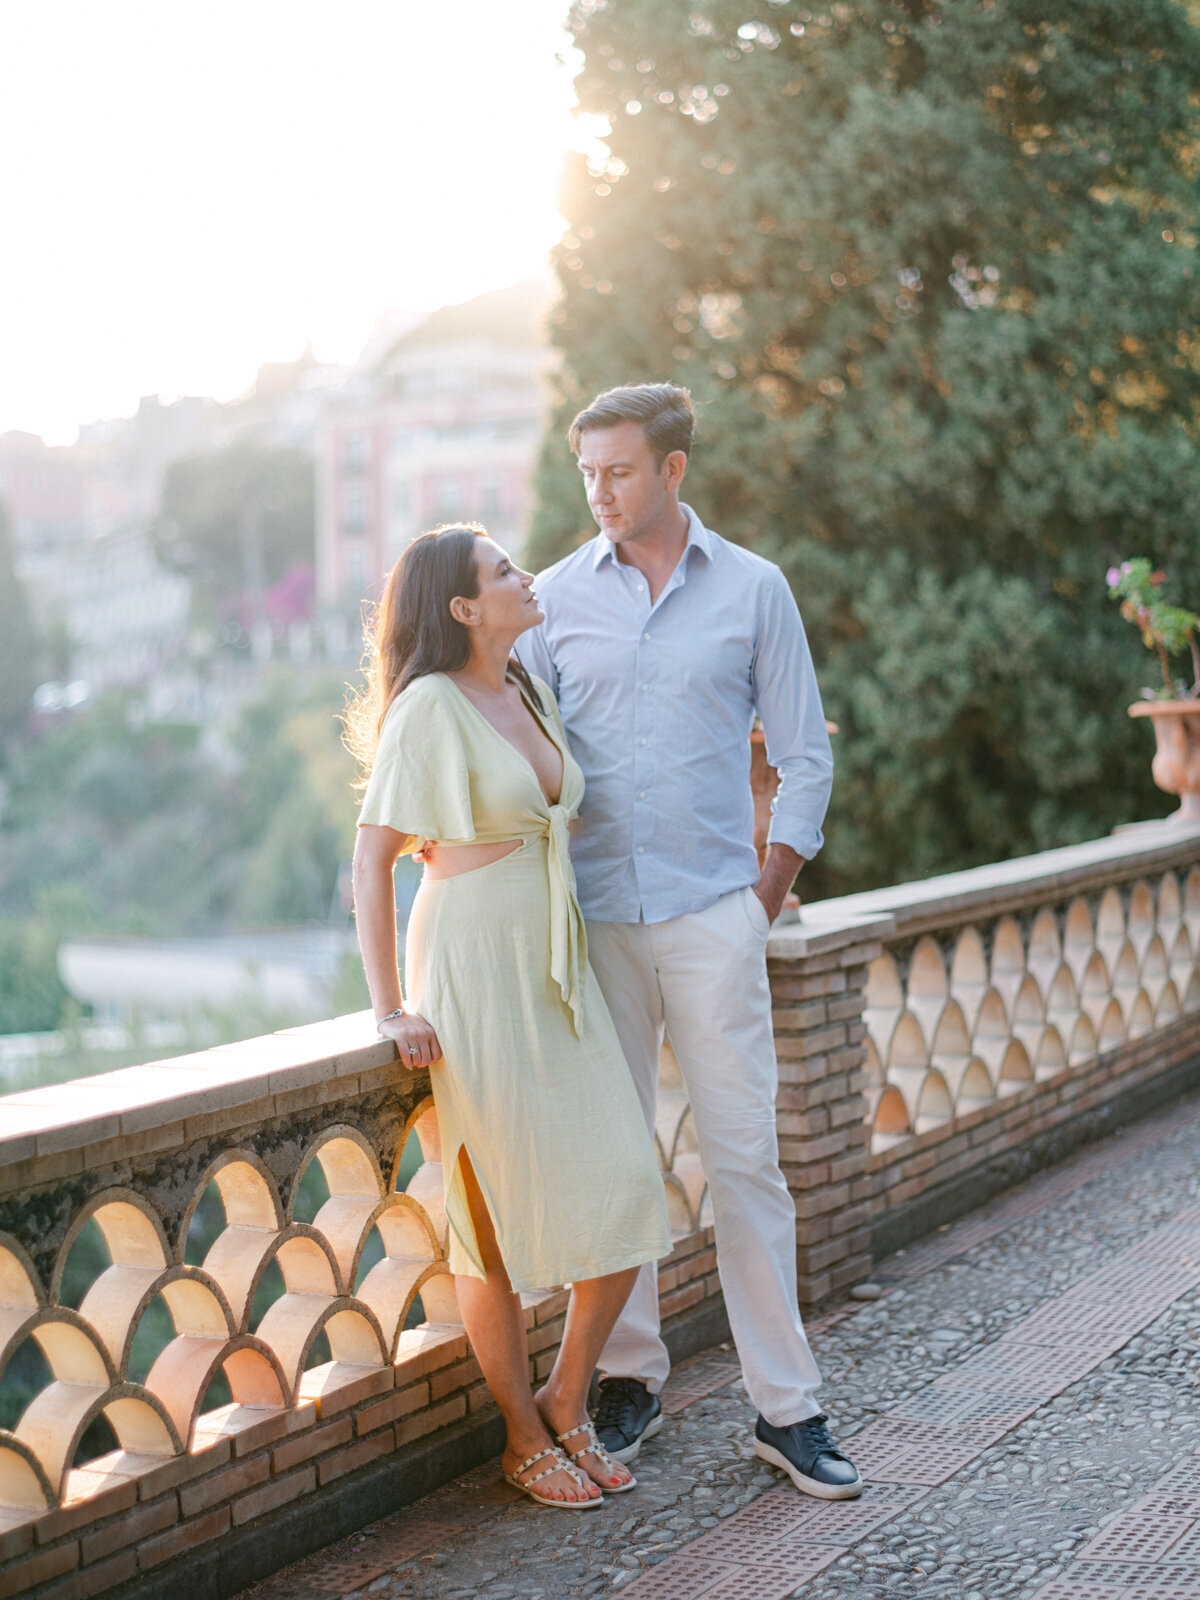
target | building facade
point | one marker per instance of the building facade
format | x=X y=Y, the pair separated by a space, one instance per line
x=446 y=426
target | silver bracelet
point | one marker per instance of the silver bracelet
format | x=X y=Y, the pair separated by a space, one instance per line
x=391 y=1016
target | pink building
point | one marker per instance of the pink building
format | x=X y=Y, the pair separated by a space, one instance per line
x=43 y=489
x=446 y=426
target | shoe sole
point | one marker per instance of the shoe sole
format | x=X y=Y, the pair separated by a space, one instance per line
x=556 y=1505
x=630 y=1452
x=822 y=1491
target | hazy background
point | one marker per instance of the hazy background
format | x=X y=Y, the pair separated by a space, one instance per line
x=285 y=284
x=221 y=220
x=193 y=189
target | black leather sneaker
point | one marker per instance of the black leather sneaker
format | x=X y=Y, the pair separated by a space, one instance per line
x=807 y=1453
x=627 y=1414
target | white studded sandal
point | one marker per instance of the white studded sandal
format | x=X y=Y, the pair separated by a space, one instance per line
x=595 y=1448
x=561 y=1464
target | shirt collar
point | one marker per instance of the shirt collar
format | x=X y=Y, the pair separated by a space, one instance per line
x=698 y=538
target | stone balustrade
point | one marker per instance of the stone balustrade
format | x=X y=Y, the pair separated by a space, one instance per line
x=274 y=1210
x=1005 y=1012
x=223 y=1279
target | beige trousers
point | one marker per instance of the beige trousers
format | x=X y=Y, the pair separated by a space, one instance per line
x=703 y=978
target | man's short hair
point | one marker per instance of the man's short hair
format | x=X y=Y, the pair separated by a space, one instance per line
x=664 y=411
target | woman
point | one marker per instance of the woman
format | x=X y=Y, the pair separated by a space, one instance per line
x=550 y=1177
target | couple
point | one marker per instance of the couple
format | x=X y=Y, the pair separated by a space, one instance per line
x=658 y=644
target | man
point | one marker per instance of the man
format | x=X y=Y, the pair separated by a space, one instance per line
x=662 y=640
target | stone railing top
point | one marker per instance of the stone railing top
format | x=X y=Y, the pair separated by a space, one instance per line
x=906 y=909
x=88 y=1122
x=85 y=1122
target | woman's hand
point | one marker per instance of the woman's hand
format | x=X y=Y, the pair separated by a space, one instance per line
x=416 y=1043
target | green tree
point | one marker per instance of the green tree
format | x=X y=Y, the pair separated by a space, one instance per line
x=929 y=270
x=31 y=991
x=237 y=520
x=18 y=643
x=120 y=827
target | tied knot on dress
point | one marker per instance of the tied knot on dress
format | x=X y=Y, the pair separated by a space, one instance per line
x=568 y=939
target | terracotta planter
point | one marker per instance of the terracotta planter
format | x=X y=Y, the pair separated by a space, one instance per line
x=1176 y=765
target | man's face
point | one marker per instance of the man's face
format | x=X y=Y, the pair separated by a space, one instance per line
x=627 y=490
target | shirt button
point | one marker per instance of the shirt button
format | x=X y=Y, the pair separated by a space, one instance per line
x=641 y=849
x=643 y=741
x=646 y=636
x=645 y=686
x=641 y=794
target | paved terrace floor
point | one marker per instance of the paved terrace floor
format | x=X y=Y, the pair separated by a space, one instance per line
x=1024 y=1401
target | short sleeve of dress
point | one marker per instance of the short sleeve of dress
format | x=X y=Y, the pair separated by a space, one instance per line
x=420 y=784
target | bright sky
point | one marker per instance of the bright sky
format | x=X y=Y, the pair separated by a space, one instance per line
x=191 y=187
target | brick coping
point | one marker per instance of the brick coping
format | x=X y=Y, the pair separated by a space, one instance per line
x=344 y=1053
x=95 y=1120
x=954 y=897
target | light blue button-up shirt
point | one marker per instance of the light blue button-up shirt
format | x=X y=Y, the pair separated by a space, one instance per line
x=659 y=701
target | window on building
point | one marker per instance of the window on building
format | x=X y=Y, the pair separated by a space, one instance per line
x=354 y=508
x=356 y=452
x=447 y=500
x=489 y=501
x=356 y=566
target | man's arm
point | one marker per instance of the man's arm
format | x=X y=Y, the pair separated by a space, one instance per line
x=788 y=701
x=780 y=871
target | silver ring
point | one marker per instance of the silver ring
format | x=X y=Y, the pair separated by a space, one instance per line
x=412 y=1050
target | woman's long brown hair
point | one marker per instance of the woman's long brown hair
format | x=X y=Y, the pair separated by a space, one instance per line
x=411 y=632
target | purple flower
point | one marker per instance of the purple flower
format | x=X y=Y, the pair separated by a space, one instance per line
x=1112 y=577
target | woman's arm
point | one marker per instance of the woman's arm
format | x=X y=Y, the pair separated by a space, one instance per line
x=376 y=851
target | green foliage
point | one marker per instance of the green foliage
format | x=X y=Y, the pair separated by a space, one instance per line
x=131 y=817
x=929 y=270
x=1164 y=628
x=31 y=991
x=117 y=827
x=237 y=520
x=350 y=992
x=18 y=644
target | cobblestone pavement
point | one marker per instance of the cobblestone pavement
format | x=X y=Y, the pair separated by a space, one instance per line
x=1024 y=1401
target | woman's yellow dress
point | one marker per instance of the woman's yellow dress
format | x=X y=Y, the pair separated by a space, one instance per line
x=532 y=1082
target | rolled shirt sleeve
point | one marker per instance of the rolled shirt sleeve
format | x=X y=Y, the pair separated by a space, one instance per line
x=788 y=703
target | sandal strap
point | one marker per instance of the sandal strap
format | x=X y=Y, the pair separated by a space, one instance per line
x=592 y=1448
x=541 y=1456
x=561 y=1464
x=587 y=1426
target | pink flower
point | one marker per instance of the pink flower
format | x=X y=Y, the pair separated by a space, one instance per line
x=1112 y=577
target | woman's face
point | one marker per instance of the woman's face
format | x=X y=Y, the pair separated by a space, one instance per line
x=506 y=603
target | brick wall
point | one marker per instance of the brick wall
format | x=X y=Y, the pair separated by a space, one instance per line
x=824 y=1140
x=152 y=1138
x=125 y=1515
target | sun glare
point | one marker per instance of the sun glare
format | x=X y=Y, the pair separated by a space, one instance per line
x=194 y=188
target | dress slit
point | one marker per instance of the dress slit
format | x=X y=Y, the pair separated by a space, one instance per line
x=458 y=1209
